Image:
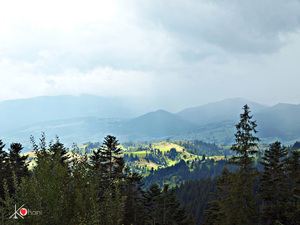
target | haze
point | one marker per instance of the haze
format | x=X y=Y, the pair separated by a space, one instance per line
x=174 y=54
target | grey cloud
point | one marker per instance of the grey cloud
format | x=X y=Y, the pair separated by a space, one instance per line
x=238 y=26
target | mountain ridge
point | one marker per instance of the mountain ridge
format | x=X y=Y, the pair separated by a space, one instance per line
x=279 y=122
x=228 y=109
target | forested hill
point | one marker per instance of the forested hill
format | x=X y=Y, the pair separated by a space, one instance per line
x=180 y=172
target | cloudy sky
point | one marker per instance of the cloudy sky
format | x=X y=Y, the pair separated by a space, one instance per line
x=177 y=53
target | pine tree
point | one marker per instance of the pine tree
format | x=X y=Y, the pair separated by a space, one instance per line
x=274 y=185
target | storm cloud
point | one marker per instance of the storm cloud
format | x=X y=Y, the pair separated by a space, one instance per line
x=177 y=53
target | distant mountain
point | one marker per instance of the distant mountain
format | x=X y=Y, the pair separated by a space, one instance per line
x=219 y=133
x=93 y=119
x=153 y=125
x=19 y=113
x=158 y=124
x=280 y=122
x=228 y=109
x=79 y=130
x=277 y=123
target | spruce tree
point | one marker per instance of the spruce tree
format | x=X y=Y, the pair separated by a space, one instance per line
x=274 y=185
x=220 y=209
x=112 y=163
x=58 y=150
x=293 y=174
x=17 y=167
x=135 y=212
x=95 y=160
x=244 y=206
x=17 y=162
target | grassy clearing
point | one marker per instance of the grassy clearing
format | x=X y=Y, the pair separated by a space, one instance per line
x=217 y=158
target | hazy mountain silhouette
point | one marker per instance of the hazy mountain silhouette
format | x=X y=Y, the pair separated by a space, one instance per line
x=148 y=126
x=228 y=109
x=158 y=124
x=215 y=121
x=281 y=121
x=22 y=112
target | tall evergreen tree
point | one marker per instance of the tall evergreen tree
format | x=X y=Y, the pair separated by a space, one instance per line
x=244 y=206
x=274 y=185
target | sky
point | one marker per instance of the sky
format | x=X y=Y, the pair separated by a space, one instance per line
x=178 y=53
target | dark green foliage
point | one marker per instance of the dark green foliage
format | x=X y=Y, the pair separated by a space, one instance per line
x=274 y=185
x=18 y=167
x=180 y=172
x=135 y=212
x=157 y=157
x=293 y=175
x=200 y=147
x=172 y=154
x=17 y=162
x=163 y=207
x=194 y=195
x=96 y=160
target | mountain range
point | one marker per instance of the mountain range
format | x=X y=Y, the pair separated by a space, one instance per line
x=89 y=118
